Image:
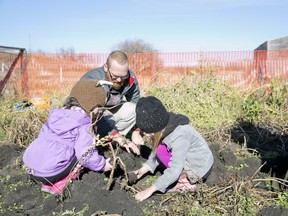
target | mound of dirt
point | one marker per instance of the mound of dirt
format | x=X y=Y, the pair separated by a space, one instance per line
x=89 y=195
x=279 y=211
x=21 y=196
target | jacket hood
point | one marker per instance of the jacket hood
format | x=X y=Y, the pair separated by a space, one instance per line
x=61 y=121
x=174 y=121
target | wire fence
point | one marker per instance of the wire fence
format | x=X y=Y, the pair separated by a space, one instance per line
x=58 y=72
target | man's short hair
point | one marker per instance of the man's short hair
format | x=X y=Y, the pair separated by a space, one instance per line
x=118 y=56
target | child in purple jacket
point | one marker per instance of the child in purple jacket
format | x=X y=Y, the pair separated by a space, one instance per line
x=64 y=143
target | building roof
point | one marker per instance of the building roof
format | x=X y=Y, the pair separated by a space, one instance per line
x=276 y=44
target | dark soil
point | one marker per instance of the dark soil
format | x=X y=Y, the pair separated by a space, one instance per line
x=21 y=196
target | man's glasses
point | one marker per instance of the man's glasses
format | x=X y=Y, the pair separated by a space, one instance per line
x=115 y=77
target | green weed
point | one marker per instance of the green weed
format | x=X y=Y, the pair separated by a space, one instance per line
x=208 y=103
x=73 y=212
x=282 y=199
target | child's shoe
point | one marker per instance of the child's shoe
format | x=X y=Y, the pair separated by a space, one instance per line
x=183 y=185
x=50 y=189
x=58 y=187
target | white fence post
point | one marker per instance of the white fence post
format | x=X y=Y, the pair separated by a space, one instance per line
x=61 y=75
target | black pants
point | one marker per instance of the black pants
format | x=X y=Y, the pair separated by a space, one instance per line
x=53 y=179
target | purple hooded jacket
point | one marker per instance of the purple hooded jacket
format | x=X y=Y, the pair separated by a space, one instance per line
x=64 y=136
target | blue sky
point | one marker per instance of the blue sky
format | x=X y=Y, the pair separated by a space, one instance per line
x=94 y=26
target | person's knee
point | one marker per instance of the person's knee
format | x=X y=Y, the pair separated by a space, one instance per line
x=125 y=118
x=127 y=111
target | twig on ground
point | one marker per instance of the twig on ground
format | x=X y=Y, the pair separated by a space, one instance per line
x=278 y=180
x=165 y=200
x=114 y=163
x=123 y=167
x=258 y=170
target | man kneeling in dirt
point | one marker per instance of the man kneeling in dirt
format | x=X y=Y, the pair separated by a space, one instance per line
x=123 y=94
x=64 y=144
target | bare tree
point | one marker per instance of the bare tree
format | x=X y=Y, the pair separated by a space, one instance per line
x=66 y=50
x=67 y=53
x=40 y=51
x=134 y=46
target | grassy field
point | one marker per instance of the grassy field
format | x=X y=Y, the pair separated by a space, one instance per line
x=213 y=108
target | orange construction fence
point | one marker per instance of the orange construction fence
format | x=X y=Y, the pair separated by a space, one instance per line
x=58 y=72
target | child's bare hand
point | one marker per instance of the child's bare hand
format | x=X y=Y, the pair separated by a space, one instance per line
x=107 y=166
x=142 y=195
x=140 y=172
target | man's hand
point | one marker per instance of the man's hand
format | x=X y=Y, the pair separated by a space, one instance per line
x=130 y=145
x=107 y=166
x=123 y=142
x=142 y=195
x=119 y=139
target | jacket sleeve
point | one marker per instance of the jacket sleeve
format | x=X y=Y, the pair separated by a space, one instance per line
x=86 y=154
x=152 y=163
x=179 y=149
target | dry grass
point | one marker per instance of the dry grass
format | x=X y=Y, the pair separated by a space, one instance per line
x=22 y=126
